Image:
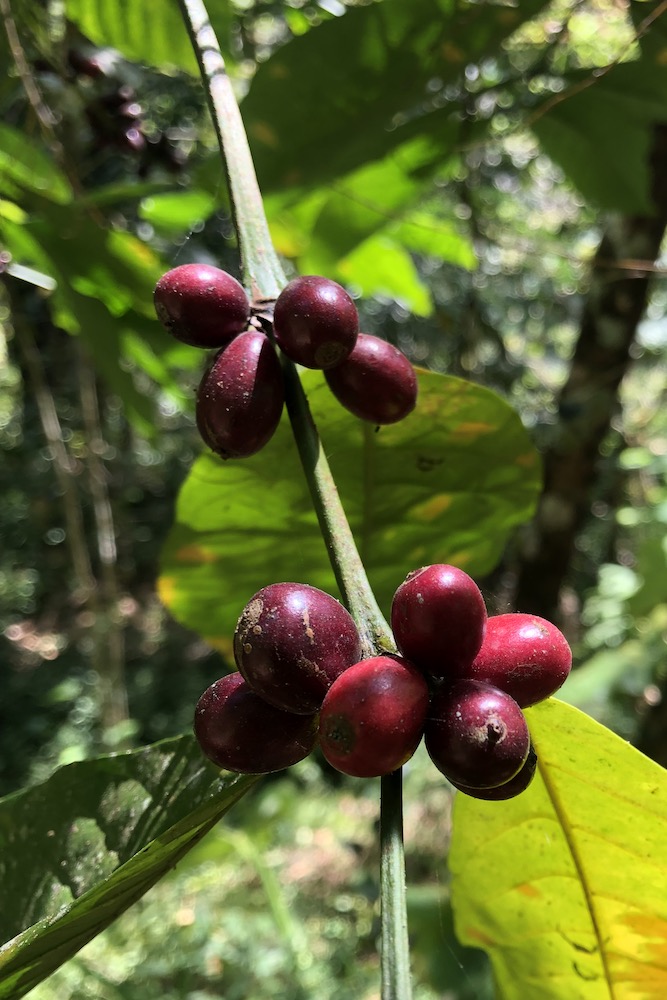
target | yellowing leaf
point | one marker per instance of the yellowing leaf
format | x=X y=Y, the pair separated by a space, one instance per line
x=565 y=886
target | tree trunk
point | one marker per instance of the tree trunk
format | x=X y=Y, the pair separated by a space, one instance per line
x=589 y=398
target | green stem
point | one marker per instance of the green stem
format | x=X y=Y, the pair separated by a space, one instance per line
x=263 y=274
x=395 y=971
x=343 y=553
x=259 y=261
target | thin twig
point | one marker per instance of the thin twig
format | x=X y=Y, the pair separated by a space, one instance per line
x=110 y=646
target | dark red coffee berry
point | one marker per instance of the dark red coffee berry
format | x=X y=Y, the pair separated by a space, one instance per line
x=132 y=110
x=438 y=617
x=85 y=65
x=240 y=398
x=238 y=730
x=509 y=789
x=476 y=734
x=291 y=642
x=315 y=322
x=201 y=305
x=377 y=382
x=132 y=139
x=372 y=717
x=524 y=655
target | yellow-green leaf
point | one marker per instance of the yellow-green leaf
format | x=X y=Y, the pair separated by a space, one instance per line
x=565 y=886
x=448 y=484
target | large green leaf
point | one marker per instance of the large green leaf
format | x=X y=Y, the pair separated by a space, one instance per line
x=565 y=886
x=580 y=130
x=380 y=266
x=355 y=231
x=145 y=32
x=310 y=118
x=80 y=848
x=24 y=161
x=447 y=484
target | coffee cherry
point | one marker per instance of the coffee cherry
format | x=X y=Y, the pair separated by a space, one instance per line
x=132 y=139
x=201 y=305
x=315 y=322
x=291 y=642
x=476 y=734
x=510 y=789
x=240 y=398
x=524 y=655
x=239 y=731
x=438 y=617
x=377 y=382
x=372 y=717
x=114 y=99
x=85 y=65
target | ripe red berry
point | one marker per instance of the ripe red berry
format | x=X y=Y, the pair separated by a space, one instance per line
x=476 y=734
x=509 y=789
x=377 y=382
x=239 y=731
x=315 y=322
x=438 y=617
x=85 y=65
x=372 y=717
x=524 y=655
x=291 y=642
x=201 y=305
x=240 y=398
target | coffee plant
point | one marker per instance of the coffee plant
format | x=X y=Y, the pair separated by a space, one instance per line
x=287 y=553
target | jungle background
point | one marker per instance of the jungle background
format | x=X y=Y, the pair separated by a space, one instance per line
x=490 y=181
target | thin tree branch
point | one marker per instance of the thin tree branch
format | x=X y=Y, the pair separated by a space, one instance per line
x=110 y=643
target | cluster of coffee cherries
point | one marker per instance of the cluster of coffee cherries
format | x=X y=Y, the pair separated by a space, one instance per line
x=460 y=680
x=114 y=115
x=111 y=106
x=315 y=323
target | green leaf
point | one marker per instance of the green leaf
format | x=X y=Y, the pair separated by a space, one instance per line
x=310 y=119
x=104 y=294
x=564 y=886
x=24 y=162
x=448 y=484
x=329 y=231
x=109 y=265
x=359 y=205
x=143 y=33
x=580 y=131
x=178 y=210
x=427 y=233
x=80 y=848
x=380 y=266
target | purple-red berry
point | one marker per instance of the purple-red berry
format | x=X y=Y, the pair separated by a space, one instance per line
x=85 y=65
x=525 y=655
x=239 y=731
x=201 y=305
x=372 y=717
x=438 y=617
x=476 y=734
x=291 y=642
x=240 y=397
x=509 y=789
x=315 y=322
x=376 y=382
